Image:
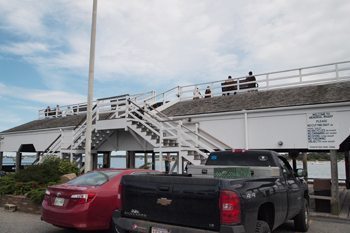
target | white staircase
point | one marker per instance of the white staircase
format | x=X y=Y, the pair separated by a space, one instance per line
x=167 y=136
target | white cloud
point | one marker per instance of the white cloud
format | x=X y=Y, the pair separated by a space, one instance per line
x=51 y=97
x=26 y=48
x=178 y=41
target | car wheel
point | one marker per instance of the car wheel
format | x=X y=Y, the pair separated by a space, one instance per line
x=301 y=221
x=262 y=227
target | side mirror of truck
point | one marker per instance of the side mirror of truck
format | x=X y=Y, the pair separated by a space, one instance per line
x=300 y=173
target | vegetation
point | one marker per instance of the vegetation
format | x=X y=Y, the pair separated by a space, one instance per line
x=33 y=180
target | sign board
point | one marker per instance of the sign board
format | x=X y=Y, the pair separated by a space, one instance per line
x=322 y=132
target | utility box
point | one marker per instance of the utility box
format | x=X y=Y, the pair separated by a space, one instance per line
x=322 y=187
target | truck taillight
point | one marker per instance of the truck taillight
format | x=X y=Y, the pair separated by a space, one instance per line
x=230 y=207
x=119 y=197
x=238 y=150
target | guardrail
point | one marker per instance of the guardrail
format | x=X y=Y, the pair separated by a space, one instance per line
x=312 y=75
x=104 y=104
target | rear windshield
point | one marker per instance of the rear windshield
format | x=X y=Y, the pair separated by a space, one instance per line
x=246 y=158
x=95 y=178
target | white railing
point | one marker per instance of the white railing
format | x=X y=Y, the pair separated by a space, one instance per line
x=106 y=104
x=312 y=75
x=62 y=111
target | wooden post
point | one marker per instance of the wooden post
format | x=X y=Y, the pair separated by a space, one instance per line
x=305 y=166
x=335 y=185
x=18 y=161
x=146 y=160
x=106 y=159
x=153 y=161
x=347 y=169
x=130 y=159
x=94 y=160
x=1 y=159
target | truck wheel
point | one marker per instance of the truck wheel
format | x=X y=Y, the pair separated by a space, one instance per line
x=262 y=227
x=301 y=221
x=114 y=229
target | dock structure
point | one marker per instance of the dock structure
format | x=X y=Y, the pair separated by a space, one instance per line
x=294 y=111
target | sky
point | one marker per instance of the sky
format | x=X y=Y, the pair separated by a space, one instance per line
x=144 y=45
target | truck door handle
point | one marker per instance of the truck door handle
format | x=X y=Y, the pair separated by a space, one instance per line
x=164 y=188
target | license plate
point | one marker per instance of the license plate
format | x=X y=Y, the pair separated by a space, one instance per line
x=59 y=201
x=159 y=230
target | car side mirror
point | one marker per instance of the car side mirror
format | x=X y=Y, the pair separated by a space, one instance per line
x=300 y=173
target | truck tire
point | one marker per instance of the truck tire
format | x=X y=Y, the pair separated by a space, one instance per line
x=262 y=227
x=301 y=221
x=114 y=229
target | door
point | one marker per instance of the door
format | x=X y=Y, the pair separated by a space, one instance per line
x=294 y=190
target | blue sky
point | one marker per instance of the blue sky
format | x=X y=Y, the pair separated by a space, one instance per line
x=155 y=45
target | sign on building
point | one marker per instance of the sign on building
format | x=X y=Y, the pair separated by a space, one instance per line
x=322 y=131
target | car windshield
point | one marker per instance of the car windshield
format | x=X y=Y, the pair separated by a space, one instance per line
x=94 y=178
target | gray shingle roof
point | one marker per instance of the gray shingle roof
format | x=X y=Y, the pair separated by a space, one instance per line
x=307 y=95
x=49 y=123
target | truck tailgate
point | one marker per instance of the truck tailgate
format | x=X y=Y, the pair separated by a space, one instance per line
x=184 y=201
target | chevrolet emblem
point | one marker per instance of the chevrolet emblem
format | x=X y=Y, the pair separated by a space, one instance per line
x=164 y=201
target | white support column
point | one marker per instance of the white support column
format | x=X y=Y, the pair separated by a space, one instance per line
x=335 y=185
x=246 y=130
x=180 y=162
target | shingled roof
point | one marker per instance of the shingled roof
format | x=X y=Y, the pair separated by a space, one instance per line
x=49 y=123
x=296 y=96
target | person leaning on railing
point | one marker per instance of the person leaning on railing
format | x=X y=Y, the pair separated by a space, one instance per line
x=251 y=80
x=229 y=86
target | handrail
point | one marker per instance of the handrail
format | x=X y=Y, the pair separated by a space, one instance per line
x=268 y=80
x=183 y=126
x=48 y=148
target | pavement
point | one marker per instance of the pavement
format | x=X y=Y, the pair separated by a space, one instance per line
x=18 y=222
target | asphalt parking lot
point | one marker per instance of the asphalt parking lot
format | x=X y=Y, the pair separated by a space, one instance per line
x=17 y=222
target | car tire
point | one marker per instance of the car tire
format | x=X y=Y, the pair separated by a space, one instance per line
x=262 y=227
x=301 y=221
x=114 y=229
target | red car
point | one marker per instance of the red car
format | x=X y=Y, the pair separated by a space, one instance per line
x=86 y=202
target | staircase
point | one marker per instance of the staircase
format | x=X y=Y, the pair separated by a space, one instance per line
x=145 y=120
x=167 y=135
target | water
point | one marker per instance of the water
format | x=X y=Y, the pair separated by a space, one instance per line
x=316 y=169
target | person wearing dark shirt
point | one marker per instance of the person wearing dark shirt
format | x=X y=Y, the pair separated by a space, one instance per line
x=207 y=93
x=252 y=81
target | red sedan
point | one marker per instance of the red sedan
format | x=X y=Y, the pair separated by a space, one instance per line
x=86 y=202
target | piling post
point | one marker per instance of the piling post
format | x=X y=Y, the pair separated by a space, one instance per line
x=347 y=169
x=153 y=161
x=18 y=161
x=1 y=159
x=107 y=159
x=335 y=185
x=305 y=166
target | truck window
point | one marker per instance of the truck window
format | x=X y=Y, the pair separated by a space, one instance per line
x=286 y=168
x=244 y=158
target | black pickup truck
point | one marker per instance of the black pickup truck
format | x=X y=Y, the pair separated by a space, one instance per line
x=234 y=192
